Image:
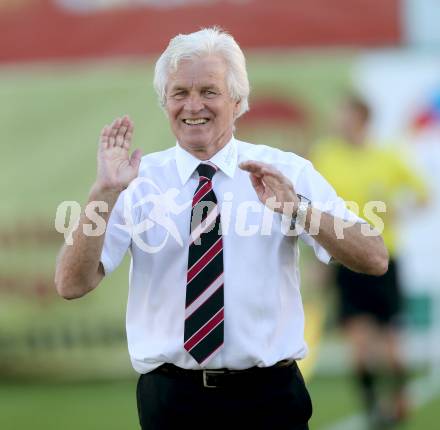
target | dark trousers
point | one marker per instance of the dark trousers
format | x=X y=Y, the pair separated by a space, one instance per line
x=275 y=400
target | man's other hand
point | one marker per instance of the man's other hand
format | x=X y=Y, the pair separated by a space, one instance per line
x=273 y=188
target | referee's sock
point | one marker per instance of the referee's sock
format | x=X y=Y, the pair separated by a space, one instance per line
x=400 y=398
x=367 y=383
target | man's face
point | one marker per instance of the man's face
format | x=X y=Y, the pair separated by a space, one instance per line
x=200 y=109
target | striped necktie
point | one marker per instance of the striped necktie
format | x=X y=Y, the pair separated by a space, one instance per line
x=204 y=303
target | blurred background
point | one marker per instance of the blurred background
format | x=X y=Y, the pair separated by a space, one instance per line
x=67 y=67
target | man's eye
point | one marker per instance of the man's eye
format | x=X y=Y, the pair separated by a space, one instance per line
x=179 y=94
x=210 y=93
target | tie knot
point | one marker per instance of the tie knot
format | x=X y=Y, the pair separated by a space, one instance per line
x=206 y=171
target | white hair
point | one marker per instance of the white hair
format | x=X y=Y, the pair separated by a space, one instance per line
x=208 y=41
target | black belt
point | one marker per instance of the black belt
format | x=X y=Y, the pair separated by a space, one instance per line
x=212 y=378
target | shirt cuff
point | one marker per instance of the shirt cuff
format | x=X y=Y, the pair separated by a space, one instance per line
x=107 y=264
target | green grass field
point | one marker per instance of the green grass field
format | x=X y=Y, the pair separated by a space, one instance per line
x=112 y=405
x=51 y=118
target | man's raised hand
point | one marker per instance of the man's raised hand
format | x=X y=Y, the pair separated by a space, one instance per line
x=116 y=169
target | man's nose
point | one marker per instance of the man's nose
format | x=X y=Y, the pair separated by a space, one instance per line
x=194 y=103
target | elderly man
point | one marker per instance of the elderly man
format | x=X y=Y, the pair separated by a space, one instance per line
x=214 y=317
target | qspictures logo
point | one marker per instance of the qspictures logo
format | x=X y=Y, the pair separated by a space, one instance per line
x=164 y=209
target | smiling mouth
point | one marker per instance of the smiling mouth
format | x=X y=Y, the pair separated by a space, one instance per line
x=196 y=121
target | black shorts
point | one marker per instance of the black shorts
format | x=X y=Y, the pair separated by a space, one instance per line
x=378 y=297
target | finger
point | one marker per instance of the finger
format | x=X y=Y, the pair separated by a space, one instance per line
x=135 y=159
x=270 y=175
x=256 y=172
x=128 y=135
x=111 y=134
x=272 y=171
x=274 y=184
x=105 y=131
x=115 y=127
x=126 y=120
x=274 y=177
x=120 y=136
x=258 y=184
x=130 y=126
x=258 y=168
x=127 y=140
x=252 y=166
x=104 y=136
x=248 y=163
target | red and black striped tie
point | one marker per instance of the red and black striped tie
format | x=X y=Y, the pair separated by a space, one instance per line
x=203 y=335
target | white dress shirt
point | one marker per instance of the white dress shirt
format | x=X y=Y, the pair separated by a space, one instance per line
x=264 y=318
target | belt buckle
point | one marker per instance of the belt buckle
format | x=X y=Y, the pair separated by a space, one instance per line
x=206 y=373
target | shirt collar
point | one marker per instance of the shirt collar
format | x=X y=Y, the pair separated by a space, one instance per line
x=225 y=160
